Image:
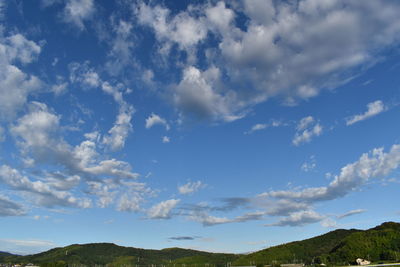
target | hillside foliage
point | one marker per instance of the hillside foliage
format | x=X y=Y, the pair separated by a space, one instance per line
x=339 y=247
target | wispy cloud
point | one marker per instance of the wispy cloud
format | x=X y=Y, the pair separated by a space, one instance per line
x=190 y=187
x=351 y=213
x=184 y=238
x=373 y=109
x=300 y=218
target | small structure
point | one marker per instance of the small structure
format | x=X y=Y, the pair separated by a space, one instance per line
x=362 y=262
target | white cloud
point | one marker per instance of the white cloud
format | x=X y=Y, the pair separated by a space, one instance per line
x=374 y=108
x=305 y=123
x=263 y=126
x=309 y=165
x=121 y=129
x=163 y=209
x=182 y=29
x=122 y=43
x=287 y=50
x=38 y=135
x=375 y=164
x=165 y=139
x=299 y=219
x=122 y=126
x=10 y=208
x=86 y=76
x=15 y=85
x=44 y=194
x=190 y=187
x=59 y=89
x=209 y=220
x=196 y=95
x=306 y=129
x=257 y=127
x=220 y=16
x=154 y=119
x=351 y=213
x=119 y=132
x=78 y=11
x=284 y=207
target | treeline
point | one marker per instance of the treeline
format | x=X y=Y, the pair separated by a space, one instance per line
x=339 y=247
x=112 y=255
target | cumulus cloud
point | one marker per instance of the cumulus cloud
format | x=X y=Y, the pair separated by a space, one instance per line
x=163 y=209
x=165 y=139
x=15 y=84
x=38 y=136
x=154 y=119
x=374 y=108
x=190 y=187
x=306 y=129
x=288 y=50
x=195 y=95
x=182 y=29
x=78 y=11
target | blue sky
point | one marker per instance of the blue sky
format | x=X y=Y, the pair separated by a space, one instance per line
x=219 y=126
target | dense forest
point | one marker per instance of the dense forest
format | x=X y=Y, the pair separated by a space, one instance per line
x=339 y=247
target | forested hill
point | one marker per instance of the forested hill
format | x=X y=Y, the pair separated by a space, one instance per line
x=339 y=247
x=5 y=254
x=114 y=255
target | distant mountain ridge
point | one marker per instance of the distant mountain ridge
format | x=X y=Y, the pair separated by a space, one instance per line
x=338 y=247
x=4 y=254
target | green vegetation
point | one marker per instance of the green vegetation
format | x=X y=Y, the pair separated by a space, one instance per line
x=113 y=255
x=339 y=247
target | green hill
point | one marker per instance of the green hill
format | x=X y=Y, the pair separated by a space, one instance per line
x=113 y=255
x=339 y=247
